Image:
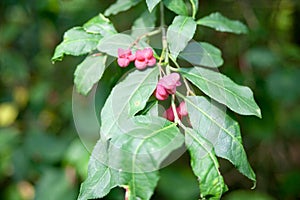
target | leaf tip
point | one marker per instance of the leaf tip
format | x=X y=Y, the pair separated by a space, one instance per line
x=258 y=111
x=254 y=185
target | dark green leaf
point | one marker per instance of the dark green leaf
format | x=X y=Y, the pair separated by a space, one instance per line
x=126 y=99
x=205 y=165
x=177 y=6
x=144 y=24
x=221 y=130
x=111 y=44
x=202 y=54
x=151 y=4
x=222 y=89
x=119 y=6
x=179 y=33
x=220 y=23
x=76 y=42
x=89 y=72
x=100 y=25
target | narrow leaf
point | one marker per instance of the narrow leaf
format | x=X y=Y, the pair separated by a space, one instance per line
x=119 y=6
x=177 y=6
x=220 y=23
x=205 y=165
x=126 y=99
x=151 y=4
x=76 y=42
x=100 y=25
x=222 y=89
x=89 y=72
x=110 y=44
x=221 y=130
x=179 y=33
x=144 y=24
x=202 y=54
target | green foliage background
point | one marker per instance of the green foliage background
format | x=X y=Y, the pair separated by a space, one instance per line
x=41 y=156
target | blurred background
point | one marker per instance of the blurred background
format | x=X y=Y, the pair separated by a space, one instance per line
x=41 y=156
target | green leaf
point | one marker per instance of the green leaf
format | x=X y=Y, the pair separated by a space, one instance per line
x=179 y=33
x=220 y=23
x=205 y=165
x=222 y=131
x=202 y=54
x=222 y=89
x=111 y=44
x=195 y=4
x=100 y=25
x=177 y=6
x=149 y=140
x=151 y=4
x=144 y=24
x=101 y=179
x=76 y=42
x=89 y=72
x=126 y=99
x=119 y=6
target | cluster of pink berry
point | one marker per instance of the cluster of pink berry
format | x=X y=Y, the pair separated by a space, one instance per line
x=142 y=58
x=181 y=112
x=167 y=85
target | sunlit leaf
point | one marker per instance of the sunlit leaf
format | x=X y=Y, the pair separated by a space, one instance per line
x=131 y=158
x=119 y=6
x=222 y=89
x=89 y=72
x=202 y=54
x=205 y=165
x=151 y=4
x=111 y=44
x=100 y=25
x=179 y=33
x=76 y=42
x=220 y=23
x=126 y=99
x=221 y=130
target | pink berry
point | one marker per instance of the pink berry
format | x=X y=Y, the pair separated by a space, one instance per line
x=125 y=57
x=144 y=58
x=169 y=114
x=181 y=109
x=161 y=93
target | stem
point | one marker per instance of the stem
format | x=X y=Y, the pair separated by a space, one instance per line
x=165 y=52
x=176 y=120
x=144 y=35
x=188 y=89
x=193 y=8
